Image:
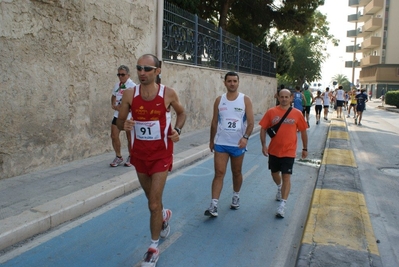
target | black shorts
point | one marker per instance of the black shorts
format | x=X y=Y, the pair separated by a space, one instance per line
x=359 y=108
x=318 y=109
x=283 y=165
x=306 y=109
x=114 y=120
x=326 y=106
x=340 y=103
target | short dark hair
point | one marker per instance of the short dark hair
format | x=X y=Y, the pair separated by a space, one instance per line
x=231 y=73
x=340 y=87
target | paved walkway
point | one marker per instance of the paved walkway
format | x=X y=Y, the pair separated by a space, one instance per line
x=36 y=202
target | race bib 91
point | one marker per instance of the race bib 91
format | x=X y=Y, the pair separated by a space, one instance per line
x=147 y=130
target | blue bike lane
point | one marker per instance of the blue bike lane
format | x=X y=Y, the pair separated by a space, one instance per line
x=251 y=236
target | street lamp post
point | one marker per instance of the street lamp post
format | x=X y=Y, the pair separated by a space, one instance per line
x=354 y=51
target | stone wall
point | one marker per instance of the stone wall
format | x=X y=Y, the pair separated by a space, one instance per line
x=58 y=63
x=198 y=88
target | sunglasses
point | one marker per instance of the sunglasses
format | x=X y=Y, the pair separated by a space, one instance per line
x=121 y=74
x=145 y=68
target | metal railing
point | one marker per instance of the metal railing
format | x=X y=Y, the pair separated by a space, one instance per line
x=190 y=40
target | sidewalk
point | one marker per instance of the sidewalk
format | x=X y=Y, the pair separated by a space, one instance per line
x=36 y=202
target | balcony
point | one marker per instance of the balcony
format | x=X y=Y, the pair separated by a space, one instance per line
x=370 y=60
x=372 y=25
x=355 y=3
x=374 y=6
x=349 y=64
x=352 y=48
x=361 y=33
x=354 y=33
x=359 y=17
x=371 y=42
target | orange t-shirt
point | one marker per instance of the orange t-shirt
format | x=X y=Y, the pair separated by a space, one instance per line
x=285 y=142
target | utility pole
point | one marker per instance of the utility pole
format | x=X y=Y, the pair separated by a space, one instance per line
x=354 y=51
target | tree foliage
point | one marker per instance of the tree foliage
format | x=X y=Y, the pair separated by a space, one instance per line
x=292 y=30
x=253 y=19
x=308 y=53
x=341 y=79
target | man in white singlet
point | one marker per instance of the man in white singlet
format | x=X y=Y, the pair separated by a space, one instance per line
x=326 y=102
x=340 y=97
x=231 y=126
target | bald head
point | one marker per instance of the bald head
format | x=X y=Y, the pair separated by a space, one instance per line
x=284 y=92
x=284 y=96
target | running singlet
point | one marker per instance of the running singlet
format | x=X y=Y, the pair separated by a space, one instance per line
x=319 y=101
x=232 y=121
x=326 y=99
x=298 y=101
x=152 y=126
x=353 y=98
x=308 y=97
x=340 y=95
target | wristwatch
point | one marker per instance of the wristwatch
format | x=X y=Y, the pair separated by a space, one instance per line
x=178 y=130
x=246 y=136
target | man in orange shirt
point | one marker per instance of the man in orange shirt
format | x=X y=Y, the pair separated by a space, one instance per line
x=282 y=148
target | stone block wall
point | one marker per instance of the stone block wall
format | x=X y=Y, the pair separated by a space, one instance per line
x=58 y=64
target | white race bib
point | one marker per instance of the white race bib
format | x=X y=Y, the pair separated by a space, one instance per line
x=147 y=130
x=231 y=125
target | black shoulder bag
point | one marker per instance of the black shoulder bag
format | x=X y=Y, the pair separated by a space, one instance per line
x=272 y=131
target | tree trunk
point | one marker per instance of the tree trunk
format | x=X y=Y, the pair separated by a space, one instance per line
x=224 y=10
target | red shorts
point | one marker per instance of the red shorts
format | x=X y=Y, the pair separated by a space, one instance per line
x=154 y=166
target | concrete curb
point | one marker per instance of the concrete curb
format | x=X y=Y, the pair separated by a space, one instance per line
x=338 y=230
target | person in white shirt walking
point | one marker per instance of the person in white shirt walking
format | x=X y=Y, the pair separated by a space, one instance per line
x=326 y=102
x=318 y=106
x=124 y=83
x=340 y=97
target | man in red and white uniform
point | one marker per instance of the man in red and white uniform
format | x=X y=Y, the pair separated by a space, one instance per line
x=152 y=142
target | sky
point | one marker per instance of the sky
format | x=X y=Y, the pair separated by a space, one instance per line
x=337 y=12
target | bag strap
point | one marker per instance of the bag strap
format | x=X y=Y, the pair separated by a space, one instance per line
x=277 y=125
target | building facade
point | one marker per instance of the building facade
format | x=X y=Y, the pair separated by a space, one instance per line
x=376 y=38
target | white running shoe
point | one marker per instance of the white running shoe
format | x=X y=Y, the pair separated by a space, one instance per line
x=212 y=212
x=127 y=162
x=280 y=211
x=235 y=203
x=150 y=258
x=165 y=224
x=117 y=161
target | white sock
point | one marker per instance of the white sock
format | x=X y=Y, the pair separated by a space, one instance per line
x=164 y=214
x=279 y=186
x=154 y=243
x=283 y=202
x=236 y=194
x=214 y=202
